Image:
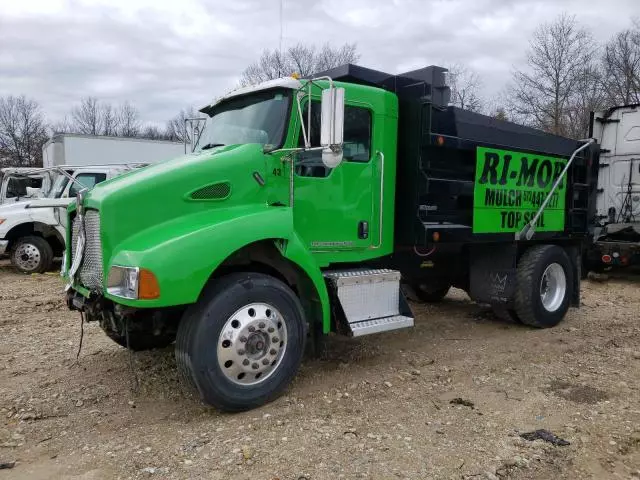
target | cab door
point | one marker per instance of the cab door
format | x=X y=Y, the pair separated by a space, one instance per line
x=334 y=208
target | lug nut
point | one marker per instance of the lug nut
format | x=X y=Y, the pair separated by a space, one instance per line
x=255 y=366
x=261 y=325
x=270 y=329
x=243 y=339
x=245 y=362
x=265 y=361
x=272 y=351
x=252 y=328
x=275 y=339
x=240 y=352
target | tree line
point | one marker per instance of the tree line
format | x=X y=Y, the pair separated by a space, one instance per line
x=566 y=76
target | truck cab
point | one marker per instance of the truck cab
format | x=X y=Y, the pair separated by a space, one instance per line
x=22 y=183
x=617 y=218
x=304 y=206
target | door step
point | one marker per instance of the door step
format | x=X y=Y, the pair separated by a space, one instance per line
x=377 y=325
x=370 y=300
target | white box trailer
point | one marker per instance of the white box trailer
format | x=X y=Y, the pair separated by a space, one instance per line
x=79 y=150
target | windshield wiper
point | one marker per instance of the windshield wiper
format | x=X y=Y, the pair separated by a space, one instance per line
x=212 y=145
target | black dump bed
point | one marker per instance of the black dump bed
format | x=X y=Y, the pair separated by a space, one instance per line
x=471 y=177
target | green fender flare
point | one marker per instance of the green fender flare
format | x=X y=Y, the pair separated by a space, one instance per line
x=184 y=252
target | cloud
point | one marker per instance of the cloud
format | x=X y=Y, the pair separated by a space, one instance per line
x=165 y=55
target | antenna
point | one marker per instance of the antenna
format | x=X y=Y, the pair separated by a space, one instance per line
x=280 y=42
x=280 y=48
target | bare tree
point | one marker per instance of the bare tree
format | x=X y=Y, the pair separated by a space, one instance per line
x=110 y=119
x=588 y=96
x=153 y=132
x=329 y=57
x=558 y=54
x=128 y=121
x=302 y=59
x=87 y=118
x=22 y=131
x=176 y=129
x=500 y=114
x=62 y=126
x=621 y=63
x=465 y=87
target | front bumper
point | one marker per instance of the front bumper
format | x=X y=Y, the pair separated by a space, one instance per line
x=3 y=246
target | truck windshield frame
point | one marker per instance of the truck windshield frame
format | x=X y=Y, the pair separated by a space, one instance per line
x=259 y=117
x=58 y=187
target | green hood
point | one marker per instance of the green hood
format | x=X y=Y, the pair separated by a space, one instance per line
x=159 y=193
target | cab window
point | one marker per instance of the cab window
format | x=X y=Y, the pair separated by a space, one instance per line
x=357 y=140
x=86 y=180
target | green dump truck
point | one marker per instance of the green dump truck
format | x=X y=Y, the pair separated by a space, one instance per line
x=304 y=207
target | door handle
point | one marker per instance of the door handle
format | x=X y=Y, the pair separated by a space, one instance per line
x=363 y=229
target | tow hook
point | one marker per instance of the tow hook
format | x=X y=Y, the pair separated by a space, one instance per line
x=75 y=301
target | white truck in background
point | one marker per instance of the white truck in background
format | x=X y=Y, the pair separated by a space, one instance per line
x=80 y=150
x=32 y=232
x=33 y=214
x=22 y=183
x=66 y=149
x=617 y=223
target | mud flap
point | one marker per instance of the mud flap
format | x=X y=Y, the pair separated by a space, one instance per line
x=492 y=273
x=576 y=263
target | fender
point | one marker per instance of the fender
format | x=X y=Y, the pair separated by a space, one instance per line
x=295 y=251
x=185 y=251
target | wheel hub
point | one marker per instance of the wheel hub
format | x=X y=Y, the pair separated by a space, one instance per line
x=252 y=343
x=27 y=256
x=553 y=287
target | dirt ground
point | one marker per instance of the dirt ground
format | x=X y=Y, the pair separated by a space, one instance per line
x=382 y=407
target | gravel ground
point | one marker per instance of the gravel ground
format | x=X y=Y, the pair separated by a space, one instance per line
x=446 y=400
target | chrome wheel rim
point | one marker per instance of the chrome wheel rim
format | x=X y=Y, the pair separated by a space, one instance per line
x=252 y=344
x=27 y=257
x=553 y=287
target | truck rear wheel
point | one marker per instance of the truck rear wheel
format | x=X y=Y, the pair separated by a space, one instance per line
x=32 y=255
x=544 y=286
x=242 y=343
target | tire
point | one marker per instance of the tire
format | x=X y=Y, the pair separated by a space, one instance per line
x=505 y=314
x=428 y=295
x=531 y=306
x=242 y=343
x=32 y=255
x=140 y=341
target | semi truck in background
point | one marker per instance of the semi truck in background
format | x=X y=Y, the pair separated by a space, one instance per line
x=616 y=222
x=81 y=150
x=305 y=205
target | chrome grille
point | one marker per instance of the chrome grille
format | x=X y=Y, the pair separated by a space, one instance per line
x=90 y=273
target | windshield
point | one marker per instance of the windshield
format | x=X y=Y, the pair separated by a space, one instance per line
x=58 y=187
x=257 y=118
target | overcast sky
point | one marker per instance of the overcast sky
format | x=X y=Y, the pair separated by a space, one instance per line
x=163 y=55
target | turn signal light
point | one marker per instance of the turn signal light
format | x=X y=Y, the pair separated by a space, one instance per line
x=148 y=287
x=436 y=236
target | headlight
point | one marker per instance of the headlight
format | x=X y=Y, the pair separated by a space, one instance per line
x=132 y=282
x=123 y=281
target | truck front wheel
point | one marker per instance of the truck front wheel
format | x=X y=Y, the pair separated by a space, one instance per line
x=544 y=286
x=242 y=343
x=32 y=255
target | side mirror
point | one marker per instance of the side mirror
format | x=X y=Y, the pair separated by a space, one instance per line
x=332 y=126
